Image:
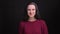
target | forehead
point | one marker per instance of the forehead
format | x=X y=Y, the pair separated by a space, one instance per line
x=31 y=7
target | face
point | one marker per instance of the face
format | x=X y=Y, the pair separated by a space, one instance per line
x=31 y=10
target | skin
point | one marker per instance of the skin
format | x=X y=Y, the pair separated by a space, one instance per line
x=31 y=11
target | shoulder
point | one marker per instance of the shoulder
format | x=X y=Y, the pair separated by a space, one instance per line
x=22 y=22
x=42 y=21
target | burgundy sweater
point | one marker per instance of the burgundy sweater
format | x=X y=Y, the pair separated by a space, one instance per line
x=35 y=27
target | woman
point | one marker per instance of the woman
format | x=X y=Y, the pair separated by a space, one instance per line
x=32 y=23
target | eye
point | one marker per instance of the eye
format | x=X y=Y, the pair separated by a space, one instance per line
x=33 y=9
x=28 y=9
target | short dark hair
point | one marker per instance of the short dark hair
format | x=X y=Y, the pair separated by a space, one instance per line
x=37 y=16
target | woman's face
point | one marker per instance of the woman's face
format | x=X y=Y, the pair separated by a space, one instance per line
x=31 y=10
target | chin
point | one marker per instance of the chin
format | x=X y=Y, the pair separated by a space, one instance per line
x=31 y=16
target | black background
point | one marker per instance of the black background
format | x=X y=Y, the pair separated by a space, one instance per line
x=11 y=13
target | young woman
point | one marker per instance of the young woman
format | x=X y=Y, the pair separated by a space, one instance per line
x=32 y=24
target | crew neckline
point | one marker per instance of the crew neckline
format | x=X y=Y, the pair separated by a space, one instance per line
x=33 y=21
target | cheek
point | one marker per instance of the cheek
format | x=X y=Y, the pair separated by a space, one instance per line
x=28 y=12
x=33 y=12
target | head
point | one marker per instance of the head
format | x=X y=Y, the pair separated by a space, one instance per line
x=32 y=11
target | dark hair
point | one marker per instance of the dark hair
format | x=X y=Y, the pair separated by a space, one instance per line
x=37 y=16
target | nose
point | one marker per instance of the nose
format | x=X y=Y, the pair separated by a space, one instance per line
x=31 y=11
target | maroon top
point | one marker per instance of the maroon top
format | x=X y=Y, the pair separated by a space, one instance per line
x=35 y=27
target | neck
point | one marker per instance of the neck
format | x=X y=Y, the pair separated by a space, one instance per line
x=32 y=19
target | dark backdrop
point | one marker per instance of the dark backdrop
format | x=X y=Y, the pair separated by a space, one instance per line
x=11 y=13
